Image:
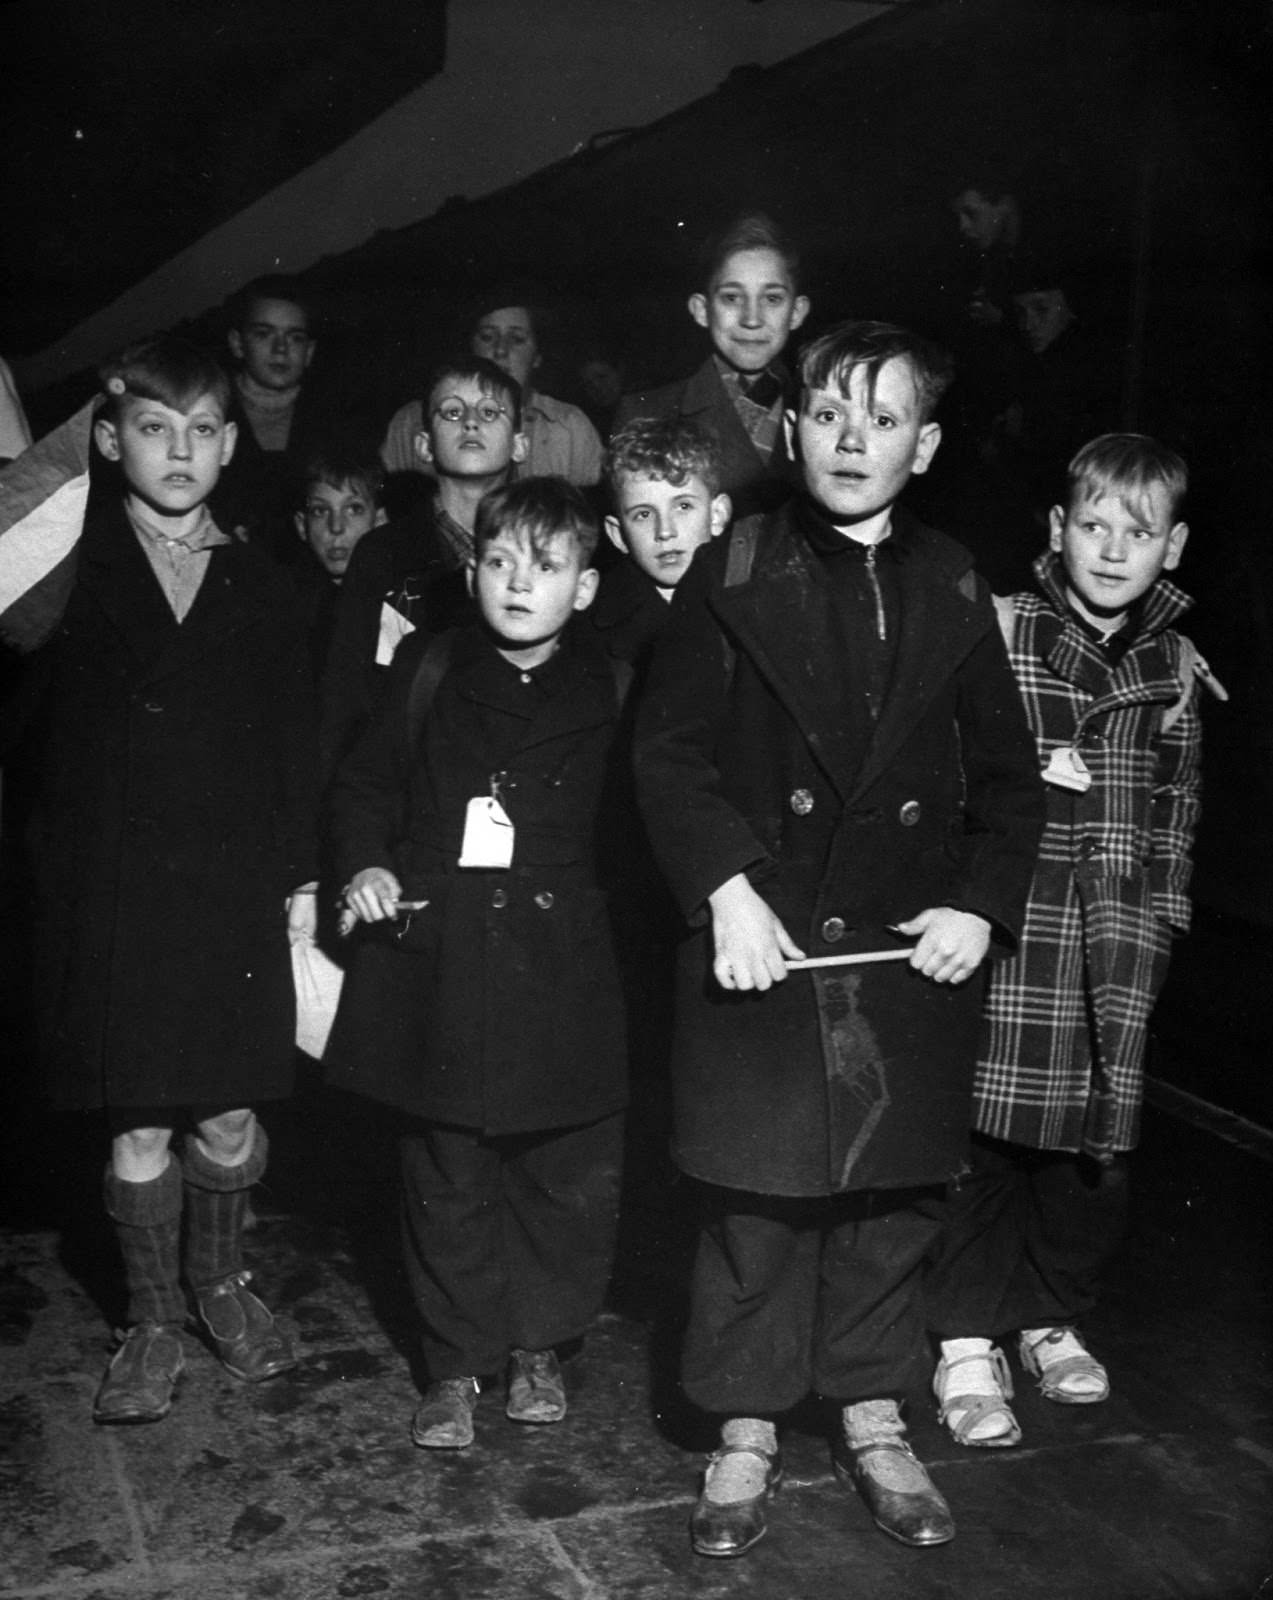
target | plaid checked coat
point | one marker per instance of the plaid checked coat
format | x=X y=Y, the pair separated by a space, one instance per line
x=1060 y=1061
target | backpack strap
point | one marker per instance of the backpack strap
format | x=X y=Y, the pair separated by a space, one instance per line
x=742 y=552
x=1006 y=616
x=1191 y=669
x=622 y=679
x=424 y=685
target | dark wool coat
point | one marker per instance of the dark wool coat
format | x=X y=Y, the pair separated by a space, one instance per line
x=858 y=1077
x=1062 y=1054
x=497 y=1007
x=752 y=483
x=176 y=766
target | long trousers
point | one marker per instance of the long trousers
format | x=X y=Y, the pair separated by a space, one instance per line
x=1025 y=1239
x=791 y=1296
x=508 y=1241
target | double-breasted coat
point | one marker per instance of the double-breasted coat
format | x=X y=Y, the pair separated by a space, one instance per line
x=1061 y=1061
x=176 y=772
x=497 y=1006
x=860 y=1077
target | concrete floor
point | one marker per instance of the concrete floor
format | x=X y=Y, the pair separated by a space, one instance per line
x=309 y=1486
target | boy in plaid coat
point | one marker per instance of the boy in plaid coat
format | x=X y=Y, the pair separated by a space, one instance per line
x=1108 y=688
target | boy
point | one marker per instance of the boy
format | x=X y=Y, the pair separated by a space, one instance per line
x=272 y=342
x=1108 y=690
x=172 y=737
x=831 y=749
x=750 y=305
x=560 y=440
x=342 y=502
x=664 y=476
x=342 y=491
x=483 y=997
x=409 y=574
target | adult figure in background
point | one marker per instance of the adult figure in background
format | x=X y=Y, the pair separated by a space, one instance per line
x=561 y=442
x=979 y=327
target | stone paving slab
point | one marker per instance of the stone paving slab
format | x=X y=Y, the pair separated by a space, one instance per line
x=308 y=1487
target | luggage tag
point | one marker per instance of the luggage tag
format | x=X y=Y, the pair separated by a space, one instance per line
x=488 y=831
x=394 y=628
x=1066 y=769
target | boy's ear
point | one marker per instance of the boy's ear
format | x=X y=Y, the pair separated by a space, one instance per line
x=235 y=340
x=107 y=437
x=586 y=588
x=799 y=311
x=1175 y=546
x=926 y=446
x=228 y=441
x=614 y=532
x=424 y=447
x=521 y=448
x=299 y=522
x=1056 y=526
x=721 y=508
x=380 y=518
x=698 y=308
x=470 y=575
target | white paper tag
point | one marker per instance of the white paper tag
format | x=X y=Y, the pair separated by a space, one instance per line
x=488 y=834
x=394 y=628
x=1066 y=770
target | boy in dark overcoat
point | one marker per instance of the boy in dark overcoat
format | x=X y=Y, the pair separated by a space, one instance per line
x=1109 y=688
x=483 y=997
x=171 y=731
x=831 y=750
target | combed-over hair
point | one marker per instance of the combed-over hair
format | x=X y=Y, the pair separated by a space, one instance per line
x=671 y=448
x=167 y=368
x=1128 y=465
x=274 y=286
x=539 y=510
x=754 y=230
x=339 y=467
x=829 y=360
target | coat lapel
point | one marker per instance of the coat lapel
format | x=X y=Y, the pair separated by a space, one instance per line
x=706 y=398
x=115 y=572
x=783 y=617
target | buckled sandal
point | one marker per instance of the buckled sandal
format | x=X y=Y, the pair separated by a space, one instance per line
x=731 y=1528
x=1058 y=1356
x=962 y=1412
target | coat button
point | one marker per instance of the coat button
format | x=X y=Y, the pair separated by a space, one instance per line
x=909 y=814
x=833 y=930
x=151 y=705
x=801 y=802
x=499 y=899
x=544 y=900
x=1090 y=848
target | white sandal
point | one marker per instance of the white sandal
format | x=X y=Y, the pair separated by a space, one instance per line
x=962 y=1412
x=1058 y=1356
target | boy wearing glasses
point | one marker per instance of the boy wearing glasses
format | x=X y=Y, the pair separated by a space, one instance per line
x=409 y=574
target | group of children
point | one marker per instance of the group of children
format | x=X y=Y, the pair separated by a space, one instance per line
x=928 y=856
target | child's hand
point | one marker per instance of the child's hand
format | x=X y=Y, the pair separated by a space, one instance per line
x=373 y=894
x=952 y=944
x=752 y=946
